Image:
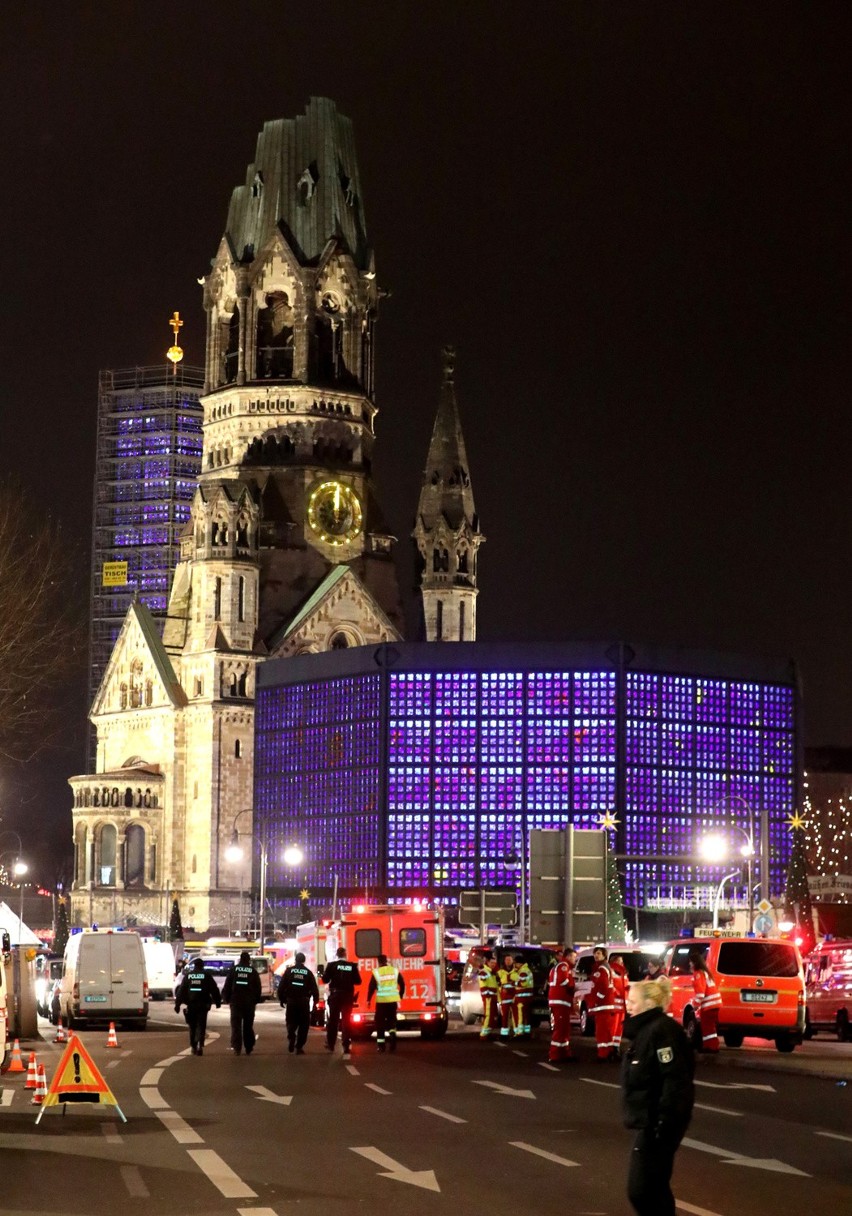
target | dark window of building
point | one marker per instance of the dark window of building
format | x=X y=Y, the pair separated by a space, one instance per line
x=135 y=857
x=217 y=601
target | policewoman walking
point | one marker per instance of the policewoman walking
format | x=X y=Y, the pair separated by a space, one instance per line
x=242 y=992
x=658 y=1093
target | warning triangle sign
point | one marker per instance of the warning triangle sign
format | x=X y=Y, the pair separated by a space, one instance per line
x=78 y=1079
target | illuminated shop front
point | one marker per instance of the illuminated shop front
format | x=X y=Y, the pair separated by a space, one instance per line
x=420 y=769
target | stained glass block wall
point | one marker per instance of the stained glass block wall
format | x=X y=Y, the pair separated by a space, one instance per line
x=430 y=776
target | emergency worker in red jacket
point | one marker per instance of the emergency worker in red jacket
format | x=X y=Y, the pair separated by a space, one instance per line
x=707 y=1000
x=560 y=998
x=602 y=1003
x=620 y=984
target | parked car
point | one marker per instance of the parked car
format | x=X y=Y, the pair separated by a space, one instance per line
x=761 y=983
x=828 y=980
x=103 y=979
x=540 y=960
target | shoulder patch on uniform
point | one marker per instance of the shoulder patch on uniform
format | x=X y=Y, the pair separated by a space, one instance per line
x=665 y=1055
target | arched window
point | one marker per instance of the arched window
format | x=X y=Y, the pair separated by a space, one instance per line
x=275 y=338
x=134 y=866
x=461 y=621
x=194 y=863
x=241 y=599
x=339 y=641
x=149 y=692
x=80 y=841
x=230 y=357
x=238 y=748
x=122 y=697
x=439 y=621
x=462 y=561
x=217 y=600
x=241 y=685
x=106 y=870
x=232 y=687
x=128 y=797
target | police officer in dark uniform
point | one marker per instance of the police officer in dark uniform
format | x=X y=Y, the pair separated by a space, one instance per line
x=297 y=986
x=342 y=978
x=658 y=1093
x=198 y=991
x=242 y=992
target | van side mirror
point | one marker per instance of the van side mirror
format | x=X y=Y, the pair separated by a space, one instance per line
x=6 y=943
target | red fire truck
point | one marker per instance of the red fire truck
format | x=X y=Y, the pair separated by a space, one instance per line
x=411 y=936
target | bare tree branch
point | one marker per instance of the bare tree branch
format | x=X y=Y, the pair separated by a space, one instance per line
x=42 y=624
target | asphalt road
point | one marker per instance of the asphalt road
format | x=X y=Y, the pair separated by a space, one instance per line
x=454 y=1127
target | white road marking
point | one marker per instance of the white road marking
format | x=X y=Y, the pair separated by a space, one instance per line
x=169 y=1060
x=693 y=1210
x=540 y=1152
x=110 y=1134
x=153 y=1099
x=132 y=1179
x=152 y=1077
x=6 y=1096
x=759 y=1163
x=719 y=1110
x=125 y=1053
x=507 y=1089
x=520 y=1053
x=256 y=1212
x=376 y=1088
x=266 y=1095
x=769 y=1089
x=834 y=1136
x=399 y=1173
x=549 y=1067
x=442 y=1114
x=500 y=1043
x=180 y=1129
x=220 y=1174
x=605 y=1084
x=352 y=1070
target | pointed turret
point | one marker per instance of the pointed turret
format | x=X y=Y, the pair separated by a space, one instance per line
x=447 y=527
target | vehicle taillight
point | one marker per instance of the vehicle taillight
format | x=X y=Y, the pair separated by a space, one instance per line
x=356 y=1017
x=427 y=1017
x=144 y=990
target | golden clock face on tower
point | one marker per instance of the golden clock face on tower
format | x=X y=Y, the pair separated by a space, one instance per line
x=334 y=512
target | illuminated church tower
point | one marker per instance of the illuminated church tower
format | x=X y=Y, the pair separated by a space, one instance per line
x=446 y=531
x=285 y=552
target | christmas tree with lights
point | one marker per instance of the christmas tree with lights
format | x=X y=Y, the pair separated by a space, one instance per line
x=616 y=926
x=797 y=896
x=60 y=929
x=175 y=925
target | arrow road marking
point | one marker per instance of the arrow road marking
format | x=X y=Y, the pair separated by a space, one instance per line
x=769 y=1089
x=540 y=1152
x=266 y=1095
x=507 y=1089
x=392 y=1169
x=442 y=1114
x=758 y=1163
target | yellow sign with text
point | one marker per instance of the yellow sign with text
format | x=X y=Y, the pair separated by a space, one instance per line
x=114 y=574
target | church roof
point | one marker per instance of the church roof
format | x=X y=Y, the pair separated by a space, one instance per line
x=446 y=490
x=331 y=580
x=162 y=662
x=304 y=181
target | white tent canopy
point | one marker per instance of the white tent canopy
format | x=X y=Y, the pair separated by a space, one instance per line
x=19 y=934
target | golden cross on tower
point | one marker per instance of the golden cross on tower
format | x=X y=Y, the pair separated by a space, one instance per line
x=174 y=354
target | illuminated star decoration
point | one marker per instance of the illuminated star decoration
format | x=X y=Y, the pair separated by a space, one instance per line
x=796 y=821
x=608 y=820
x=304 y=893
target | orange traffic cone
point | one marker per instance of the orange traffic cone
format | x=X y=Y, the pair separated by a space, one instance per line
x=41 y=1089
x=61 y=1036
x=112 y=1037
x=16 y=1064
x=32 y=1072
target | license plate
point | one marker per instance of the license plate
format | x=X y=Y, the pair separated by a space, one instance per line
x=760 y=998
x=95 y=998
x=400 y=1017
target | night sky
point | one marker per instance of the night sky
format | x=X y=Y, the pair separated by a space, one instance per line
x=632 y=220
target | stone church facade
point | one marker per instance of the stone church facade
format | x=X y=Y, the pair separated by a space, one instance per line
x=286 y=551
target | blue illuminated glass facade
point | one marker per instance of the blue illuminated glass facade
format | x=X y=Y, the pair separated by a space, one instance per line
x=425 y=771
x=147 y=464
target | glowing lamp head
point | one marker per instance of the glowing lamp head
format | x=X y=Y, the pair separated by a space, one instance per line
x=293 y=855
x=20 y=868
x=714 y=848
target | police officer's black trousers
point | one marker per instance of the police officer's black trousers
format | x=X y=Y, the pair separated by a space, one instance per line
x=196 y=1016
x=339 y=1014
x=649 y=1177
x=242 y=1027
x=298 y=1020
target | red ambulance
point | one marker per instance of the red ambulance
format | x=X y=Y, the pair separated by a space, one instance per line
x=412 y=937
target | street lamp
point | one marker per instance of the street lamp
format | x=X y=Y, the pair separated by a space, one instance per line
x=517 y=862
x=715 y=849
x=292 y=856
x=718 y=898
x=19 y=869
